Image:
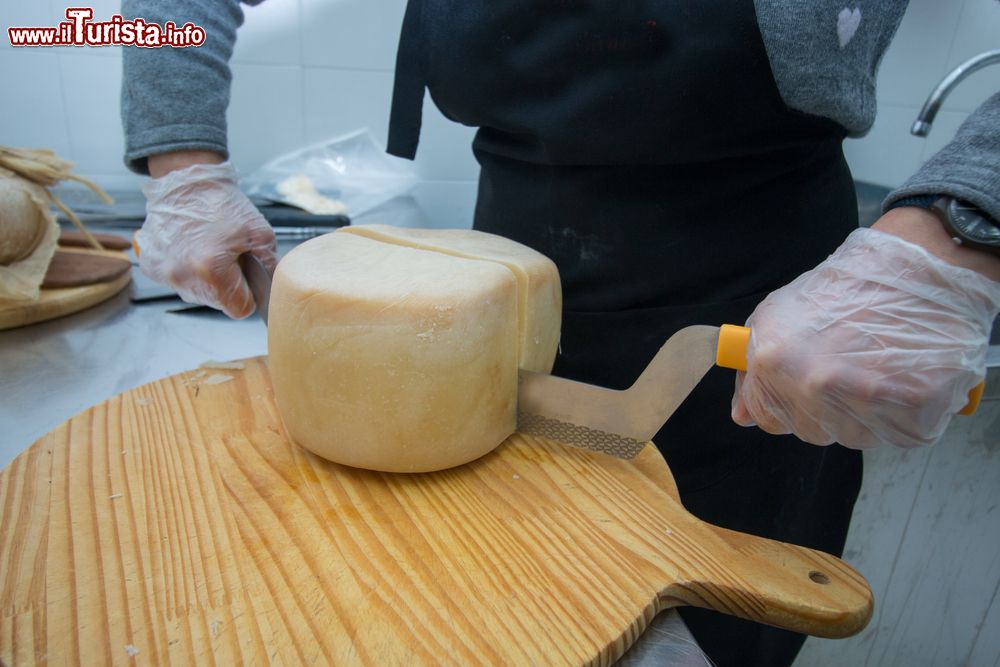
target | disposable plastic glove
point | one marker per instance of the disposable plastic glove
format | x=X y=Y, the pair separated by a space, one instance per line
x=198 y=223
x=879 y=344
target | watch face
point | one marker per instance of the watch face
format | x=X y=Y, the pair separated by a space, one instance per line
x=970 y=223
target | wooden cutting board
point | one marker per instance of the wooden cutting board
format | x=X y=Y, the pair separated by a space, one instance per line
x=72 y=238
x=75 y=268
x=59 y=301
x=176 y=524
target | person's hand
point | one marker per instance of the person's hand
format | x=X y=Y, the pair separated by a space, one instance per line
x=879 y=344
x=198 y=223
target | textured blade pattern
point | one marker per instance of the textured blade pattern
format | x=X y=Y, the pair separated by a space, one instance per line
x=579 y=436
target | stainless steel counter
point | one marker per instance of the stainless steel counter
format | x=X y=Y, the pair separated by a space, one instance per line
x=53 y=370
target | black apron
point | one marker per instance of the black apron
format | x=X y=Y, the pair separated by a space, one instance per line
x=644 y=147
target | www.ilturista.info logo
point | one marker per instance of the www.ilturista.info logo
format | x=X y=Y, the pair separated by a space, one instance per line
x=80 y=30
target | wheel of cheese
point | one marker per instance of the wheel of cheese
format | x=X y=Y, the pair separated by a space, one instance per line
x=22 y=220
x=539 y=291
x=393 y=358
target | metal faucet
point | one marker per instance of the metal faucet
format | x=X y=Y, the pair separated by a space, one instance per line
x=922 y=125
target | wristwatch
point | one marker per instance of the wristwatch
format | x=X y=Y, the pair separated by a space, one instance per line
x=967 y=225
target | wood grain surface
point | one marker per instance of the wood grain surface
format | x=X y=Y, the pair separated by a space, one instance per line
x=60 y=301
x=69 y=237
x=176 y=524
x=70 y=268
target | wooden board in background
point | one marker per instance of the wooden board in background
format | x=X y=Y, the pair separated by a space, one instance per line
x=60 y=301
x=177 y=524
x=77 y=269
x=70 y=237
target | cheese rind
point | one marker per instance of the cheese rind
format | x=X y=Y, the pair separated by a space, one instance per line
x=539 y=290
x=29 y=235
x=22 y=219
x=392 y=358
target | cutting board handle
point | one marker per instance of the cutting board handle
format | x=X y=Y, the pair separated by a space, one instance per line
x=732 y=353
x=779 y=584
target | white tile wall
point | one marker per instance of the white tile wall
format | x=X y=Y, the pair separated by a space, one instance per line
x=888 y=154
x=24 y=14
x=354 y=34
x=445 y=150
x=91 y=85
x=934 y=37
x=305 y=70
x=447 y=203
x=36 y=116
x=978 y=31
x=270 y=34
x=337 y=101
x=916 y=60
x=265 y=113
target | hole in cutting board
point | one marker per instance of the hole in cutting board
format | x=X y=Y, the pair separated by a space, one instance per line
x=819 y=577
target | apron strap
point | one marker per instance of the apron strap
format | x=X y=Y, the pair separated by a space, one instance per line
x=408 y=88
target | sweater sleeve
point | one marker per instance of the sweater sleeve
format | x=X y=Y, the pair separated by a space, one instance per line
x=968 y=168
x=176 y=98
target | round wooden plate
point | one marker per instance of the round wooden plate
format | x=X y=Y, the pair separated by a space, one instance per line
x=60 y=301
x=76 y=268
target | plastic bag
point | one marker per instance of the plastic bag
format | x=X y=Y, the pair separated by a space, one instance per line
x=353 y=169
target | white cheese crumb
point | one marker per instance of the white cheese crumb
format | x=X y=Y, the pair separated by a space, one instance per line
x=516 y=477
x=131 y=650
x=223 y=365
x=112 y=497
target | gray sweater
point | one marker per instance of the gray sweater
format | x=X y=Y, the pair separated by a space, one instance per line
x=174 y=99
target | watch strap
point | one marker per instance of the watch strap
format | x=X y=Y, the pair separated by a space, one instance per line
x=920 y=201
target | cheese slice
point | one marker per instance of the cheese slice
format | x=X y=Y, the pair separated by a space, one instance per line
x=539 y=291
x=393 y=358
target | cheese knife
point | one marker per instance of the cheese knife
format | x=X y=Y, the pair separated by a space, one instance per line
x=257 y=276
x=259 y=281
x=621 y=422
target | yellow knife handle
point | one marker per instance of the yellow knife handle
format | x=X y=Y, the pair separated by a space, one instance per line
x=975 y=395
x=732 y=353
x=733 y=344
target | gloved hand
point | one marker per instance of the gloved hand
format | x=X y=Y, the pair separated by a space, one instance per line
x=880 y=343
x=198 y=223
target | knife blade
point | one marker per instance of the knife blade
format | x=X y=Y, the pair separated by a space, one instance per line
x=621 y=422
x=259 y=281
